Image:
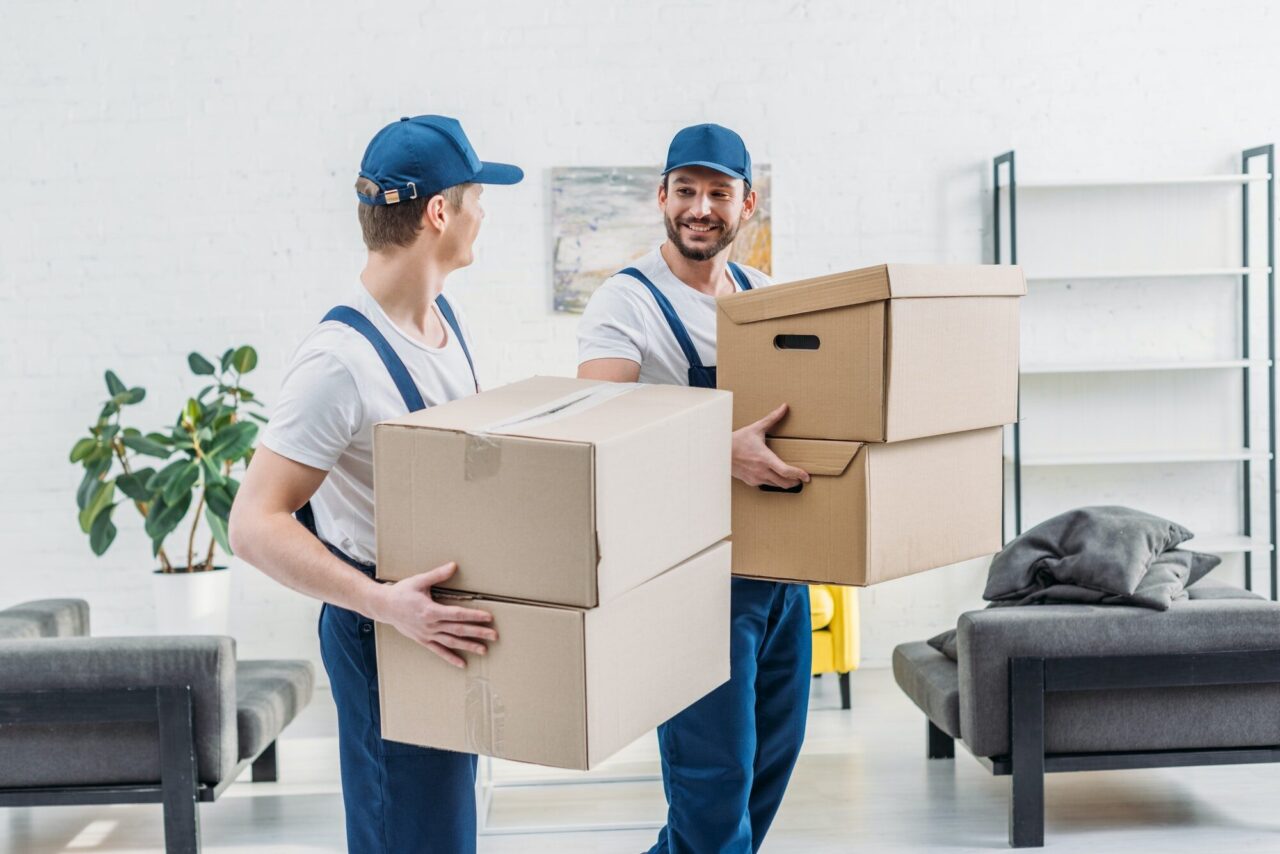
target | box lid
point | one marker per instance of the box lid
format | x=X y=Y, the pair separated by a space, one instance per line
x=872 y=284
x=816 y=456
x=561 y=409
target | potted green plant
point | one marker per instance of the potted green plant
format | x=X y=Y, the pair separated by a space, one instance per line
x=164 y=475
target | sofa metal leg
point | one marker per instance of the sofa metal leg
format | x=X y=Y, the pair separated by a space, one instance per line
x=941 y=745
x=845 y=701
x=178 y=770
x=264 y=767
x=1026 y=737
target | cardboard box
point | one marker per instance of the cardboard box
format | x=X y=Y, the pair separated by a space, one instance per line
x=872 y=512
x=882 y=354
x=554 y=490
x=566 y=686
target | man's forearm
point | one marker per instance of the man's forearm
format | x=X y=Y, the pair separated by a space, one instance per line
x=279 y=546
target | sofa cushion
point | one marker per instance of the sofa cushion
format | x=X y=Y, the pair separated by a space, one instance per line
x=1211 y=588
x=932 y=682
x=45 y=618
x=103 y=754
x=269 y=695
x=1148 y=719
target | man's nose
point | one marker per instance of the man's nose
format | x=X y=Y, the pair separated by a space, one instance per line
x=702 y=206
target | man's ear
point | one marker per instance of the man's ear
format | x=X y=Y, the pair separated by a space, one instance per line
x=433 y=213
x=749 y=205
x=662 y=195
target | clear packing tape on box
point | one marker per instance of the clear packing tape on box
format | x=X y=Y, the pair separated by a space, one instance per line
x=484 y=449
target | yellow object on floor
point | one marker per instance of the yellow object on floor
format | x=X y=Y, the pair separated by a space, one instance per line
x=835 y=633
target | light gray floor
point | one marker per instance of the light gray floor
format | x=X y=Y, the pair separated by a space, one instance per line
x=862 y=784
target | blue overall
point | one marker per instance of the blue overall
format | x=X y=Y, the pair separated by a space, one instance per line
x=727 y=758
x=399 y=798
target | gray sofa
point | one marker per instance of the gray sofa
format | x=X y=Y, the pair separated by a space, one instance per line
x=1080 y=687
x=173 y=720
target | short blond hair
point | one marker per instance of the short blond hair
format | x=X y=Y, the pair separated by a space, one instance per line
x=383 y=226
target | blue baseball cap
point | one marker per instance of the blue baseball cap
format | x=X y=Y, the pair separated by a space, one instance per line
x=712 y=146
x=415 y=158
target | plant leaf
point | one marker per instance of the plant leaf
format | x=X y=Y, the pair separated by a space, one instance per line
x=191 y=413
x=233 y=442
x=114 y=386
x=82 y=449
x=245 y=359
x=102 y=532
x=218 y=525
x=147 y=445
x=166 y=517
x=226 y=358
x=136 y=394
x=256 y=417
x=213 y=475
x=108 y=410
x=158 y=481
x=200 y=365
x=99 y=500
x=134 y=485
x=93 y=473
x=181 y=482
x=219 y=500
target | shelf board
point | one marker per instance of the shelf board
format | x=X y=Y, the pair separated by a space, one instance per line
x=1150 y=274
x=1141 y=457
x=1103 y=183
x=1045 y=368
x=1226 y=544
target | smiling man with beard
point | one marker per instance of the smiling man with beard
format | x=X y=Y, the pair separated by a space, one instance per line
x=726 y=759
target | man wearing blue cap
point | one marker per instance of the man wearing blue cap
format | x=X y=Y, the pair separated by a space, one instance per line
x=397 y=345
x=726 y=759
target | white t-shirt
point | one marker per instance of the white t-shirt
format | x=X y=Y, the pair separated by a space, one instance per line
x=336 y=388
x=624 y=321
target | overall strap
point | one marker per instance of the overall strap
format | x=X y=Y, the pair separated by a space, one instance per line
x=740 y=276
x=399 y=373
x=669 y=312
x=452 y=320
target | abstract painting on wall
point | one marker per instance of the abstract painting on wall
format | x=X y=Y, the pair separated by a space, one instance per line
x=603 y=217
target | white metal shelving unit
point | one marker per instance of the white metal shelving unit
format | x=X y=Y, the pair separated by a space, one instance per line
x=1249 y=451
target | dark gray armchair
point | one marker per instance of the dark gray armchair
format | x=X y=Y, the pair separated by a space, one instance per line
x=171 y=720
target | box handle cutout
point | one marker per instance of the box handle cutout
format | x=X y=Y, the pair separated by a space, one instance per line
x=767 y=487
x=796 y=342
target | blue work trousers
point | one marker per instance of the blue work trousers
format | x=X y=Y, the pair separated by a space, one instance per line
x=727 y=758
x=399 y=798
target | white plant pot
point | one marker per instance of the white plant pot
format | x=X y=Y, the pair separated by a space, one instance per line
x=192 y=603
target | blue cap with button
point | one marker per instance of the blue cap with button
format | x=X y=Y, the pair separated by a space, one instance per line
x=712 y=146
x=418 y=157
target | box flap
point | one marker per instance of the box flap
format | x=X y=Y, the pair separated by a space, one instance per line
x=816 y=456
x=871 y=284
x=499 y=405
x=561 y=409
x=956 y=280
x=818 y=294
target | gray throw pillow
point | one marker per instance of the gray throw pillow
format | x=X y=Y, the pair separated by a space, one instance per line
x=1108 y=549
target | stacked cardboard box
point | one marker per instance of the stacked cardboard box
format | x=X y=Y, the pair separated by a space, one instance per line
x=897 y=378
x=589 y=518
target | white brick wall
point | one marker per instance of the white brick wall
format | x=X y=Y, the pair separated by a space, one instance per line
x=178 y=176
